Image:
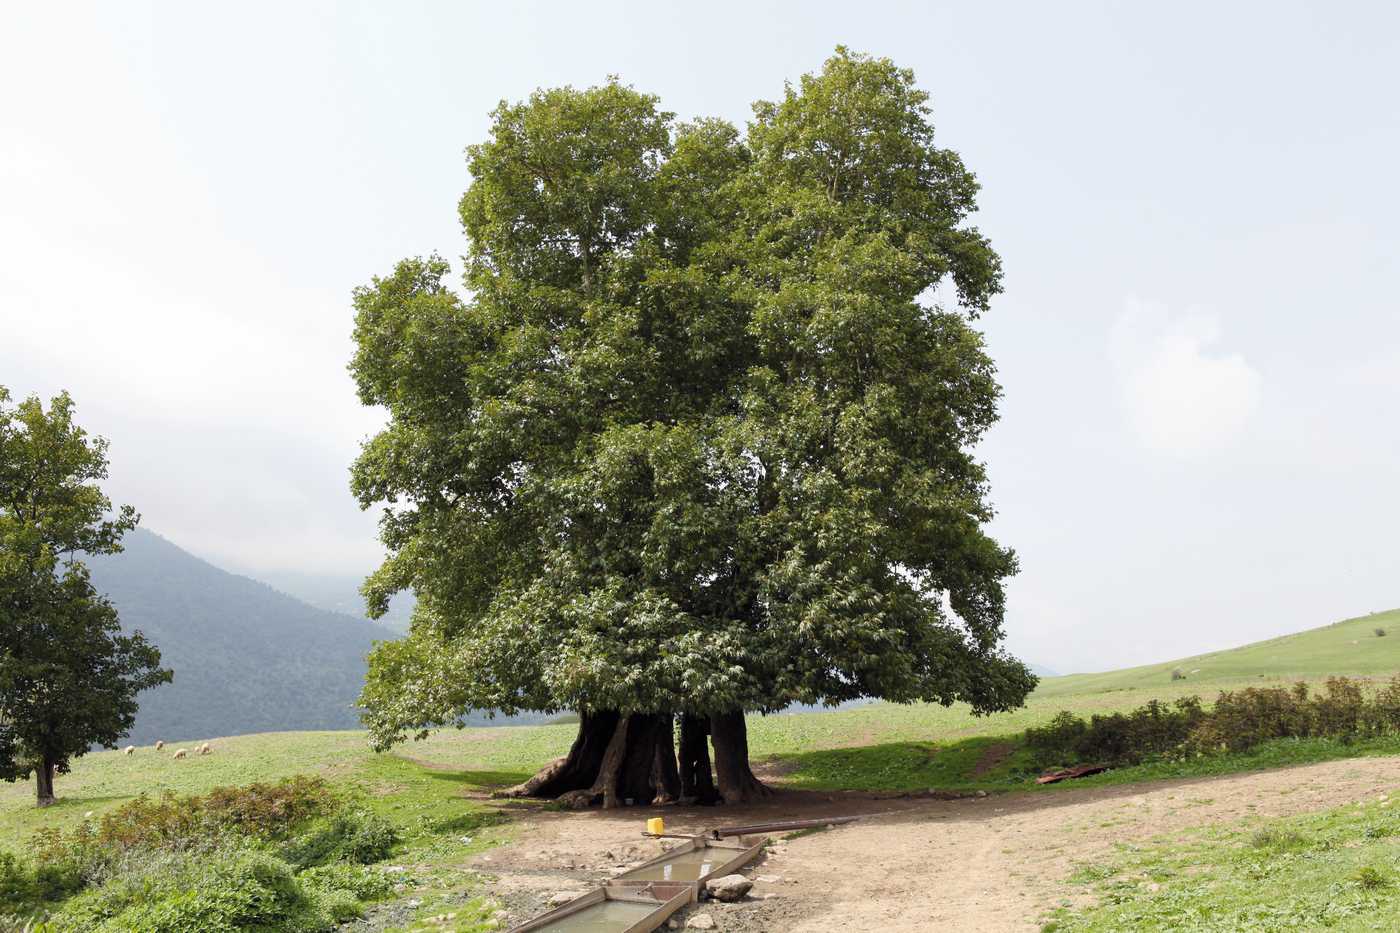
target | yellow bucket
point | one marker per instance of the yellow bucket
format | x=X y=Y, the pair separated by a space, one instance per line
x=656 y=826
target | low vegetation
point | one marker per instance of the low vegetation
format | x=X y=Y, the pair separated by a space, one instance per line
x=1334 y=870
x=290 y=855
x=1239 y=721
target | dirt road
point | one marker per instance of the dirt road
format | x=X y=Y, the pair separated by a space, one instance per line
x=978 y=865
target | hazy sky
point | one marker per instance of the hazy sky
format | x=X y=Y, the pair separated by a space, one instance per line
x=1197 y=207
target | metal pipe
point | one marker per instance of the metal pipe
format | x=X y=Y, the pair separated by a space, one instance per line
x=779 y=826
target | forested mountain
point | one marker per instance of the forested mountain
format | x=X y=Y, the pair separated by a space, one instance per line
x=246 y=657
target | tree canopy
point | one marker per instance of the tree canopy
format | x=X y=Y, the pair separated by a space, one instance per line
x=698 y=433
x=68 y=675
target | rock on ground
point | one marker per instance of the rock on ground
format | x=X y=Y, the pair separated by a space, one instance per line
x=730 y=888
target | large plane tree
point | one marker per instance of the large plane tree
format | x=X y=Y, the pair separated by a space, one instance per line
x=696 y=436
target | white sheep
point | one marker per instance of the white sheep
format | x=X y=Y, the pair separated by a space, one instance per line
x=205 y=749
x=181 y=753
x=129 y=749
x=160 y=743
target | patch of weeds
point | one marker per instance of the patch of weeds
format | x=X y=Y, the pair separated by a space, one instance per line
x=1092 y=872
x=1274 y=837
x=1368 y=876
x=452 y=915
x=356 y=836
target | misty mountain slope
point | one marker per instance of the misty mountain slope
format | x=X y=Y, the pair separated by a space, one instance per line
x=246 y=657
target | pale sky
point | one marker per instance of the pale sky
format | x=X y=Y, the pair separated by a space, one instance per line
x=1197 y=207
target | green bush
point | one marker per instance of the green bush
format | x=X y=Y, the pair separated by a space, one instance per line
x=229 y=889
x=14 y=923
x=86 y=853
x=206 y=863
x=24 y=886
x=365 y=883
x=356 y=836
x=340 y=906
x=1117 y=738
x=1239 y=721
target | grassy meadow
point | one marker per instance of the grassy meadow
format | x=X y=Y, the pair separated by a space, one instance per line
x=1334 y=870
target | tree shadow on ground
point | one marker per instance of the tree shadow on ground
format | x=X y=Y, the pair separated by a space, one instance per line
x=983 y=762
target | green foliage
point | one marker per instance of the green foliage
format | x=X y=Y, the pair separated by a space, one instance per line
x=25 y=885
x=354 y=836
x=93 y=850
x=68 y=675
x=361 y=881
x=1118 y=738
x=228 y=888
x=229 y=858
x=692 y=441
x=1240 y=720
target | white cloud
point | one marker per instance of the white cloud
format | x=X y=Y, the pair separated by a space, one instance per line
x=1179 y=397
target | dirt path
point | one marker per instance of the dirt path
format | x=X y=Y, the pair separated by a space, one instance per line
x=984 y=865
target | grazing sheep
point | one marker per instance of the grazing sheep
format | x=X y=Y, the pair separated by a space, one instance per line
x=181 y=753
x=129 y=749
x=205 y=749
x=160 y=743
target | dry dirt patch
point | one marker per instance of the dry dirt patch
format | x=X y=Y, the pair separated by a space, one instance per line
x=983 y=864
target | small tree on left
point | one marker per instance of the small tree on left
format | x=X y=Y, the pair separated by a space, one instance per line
x=69 y=676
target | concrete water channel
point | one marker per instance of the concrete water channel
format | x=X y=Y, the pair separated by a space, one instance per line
x=644 y=898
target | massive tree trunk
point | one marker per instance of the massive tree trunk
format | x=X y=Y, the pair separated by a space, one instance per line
x=43 y=776
x=665 y=775
x=613 y=760
x=697 y=781
x=736 y=781
x=579 y=768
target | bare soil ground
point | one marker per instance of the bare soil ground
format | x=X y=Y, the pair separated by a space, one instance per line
x=978 y=864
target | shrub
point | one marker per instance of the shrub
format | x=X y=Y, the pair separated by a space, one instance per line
x=365 y=883
x=1380 y=632
x=1117 y=738
x=340 y=906
x=1239 y=721
x=1340 y=711
x=87 y=853
x=356 y=836
x=1056 y=742
x=232 y=888
x=24 y=886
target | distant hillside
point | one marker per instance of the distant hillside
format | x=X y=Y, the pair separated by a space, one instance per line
x=1348 y=647
x=246 y=657
x=339 y=593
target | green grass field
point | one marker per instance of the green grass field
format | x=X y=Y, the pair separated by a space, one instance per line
x=1334 y=870
x=422 y=786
